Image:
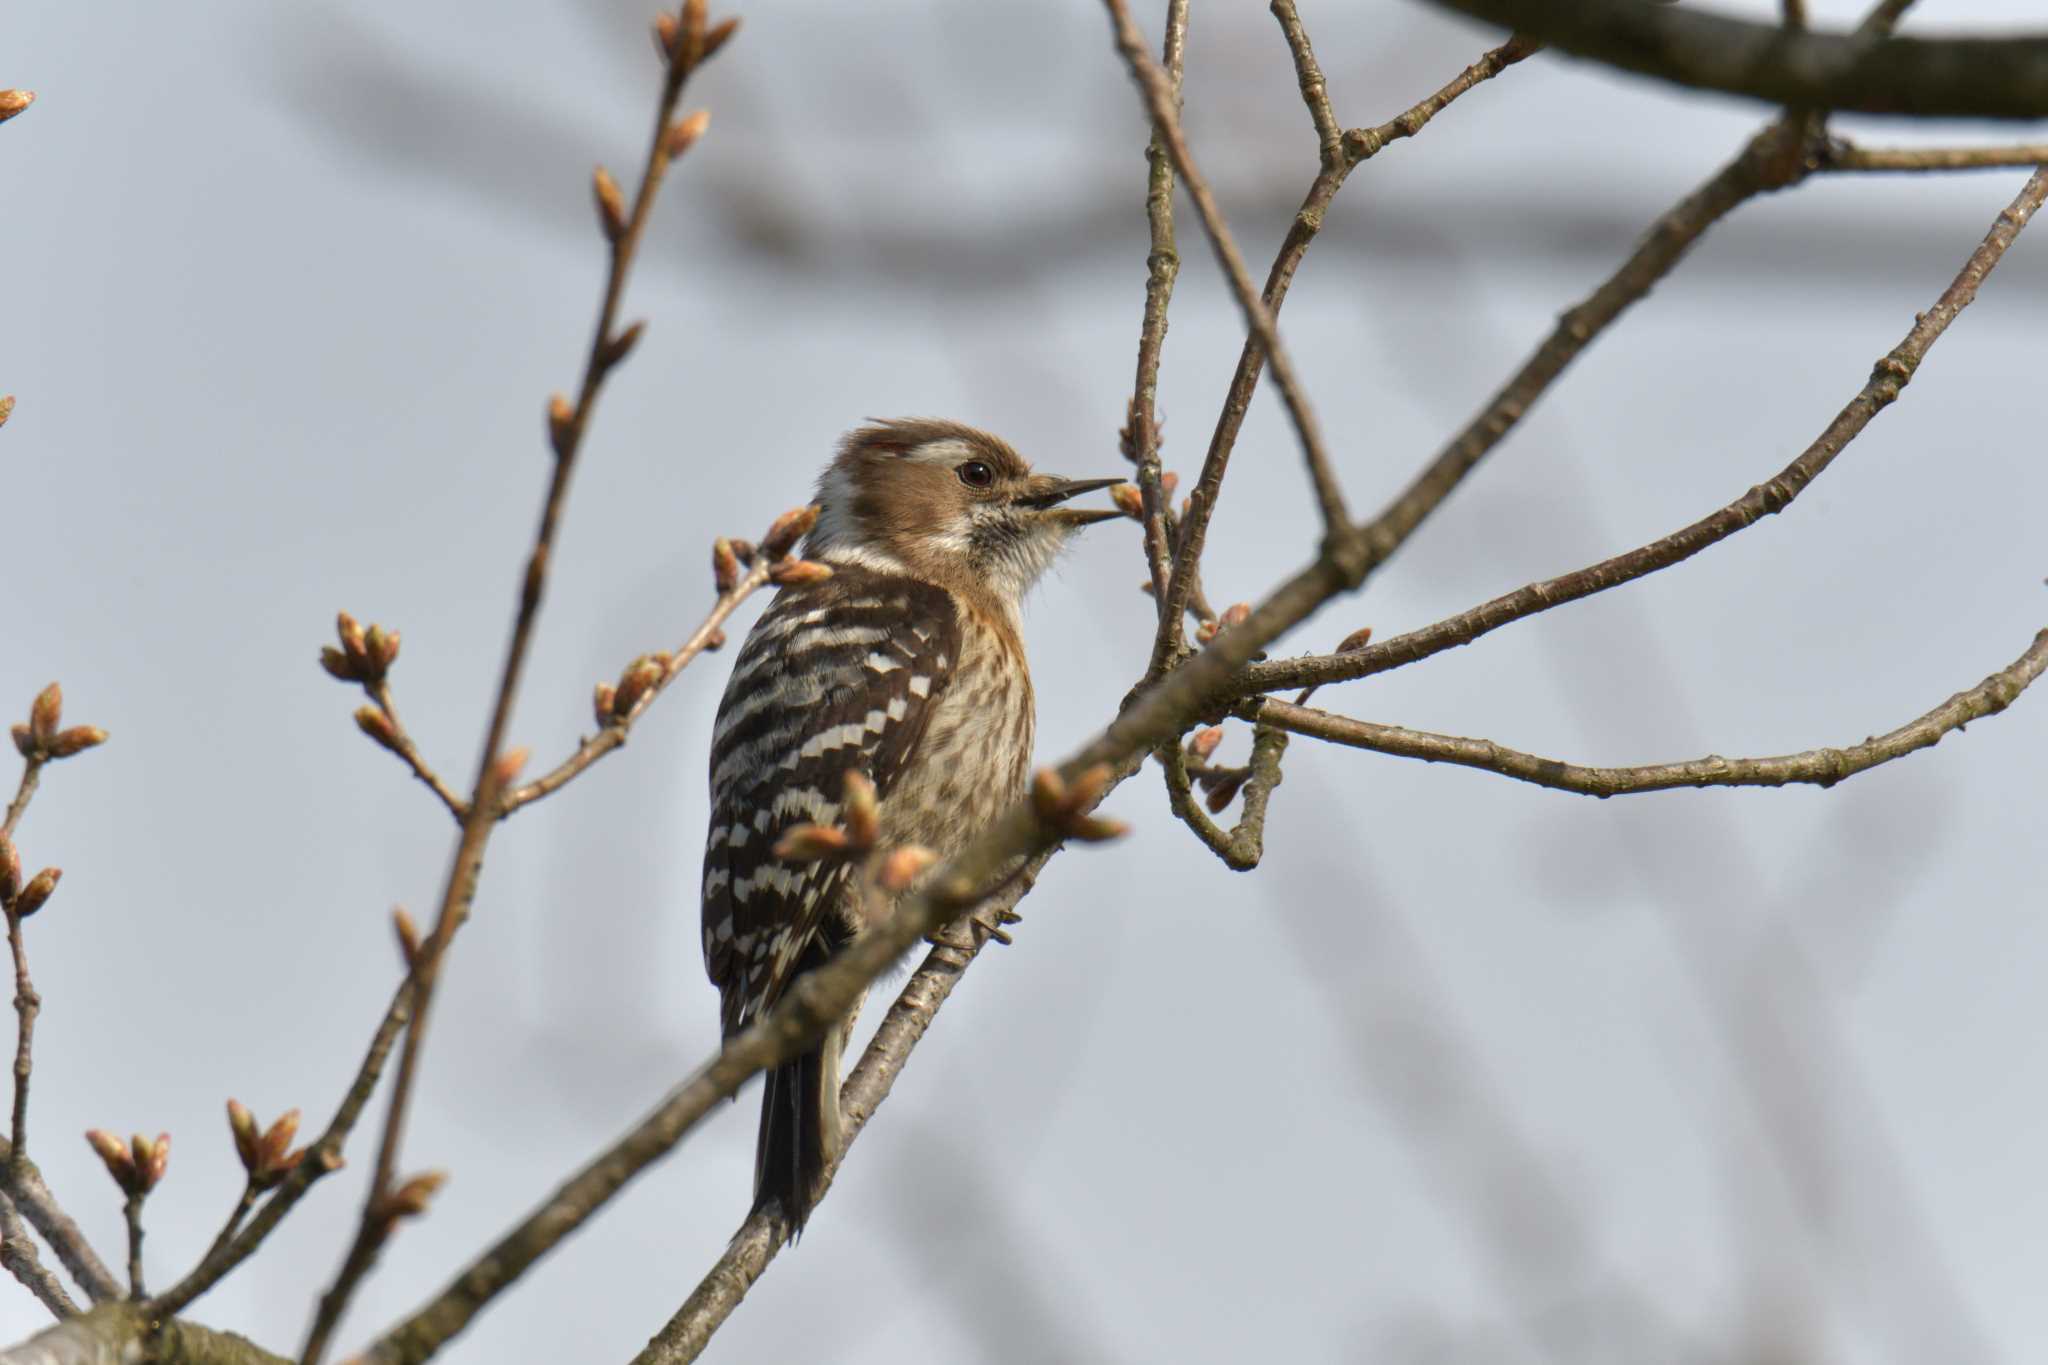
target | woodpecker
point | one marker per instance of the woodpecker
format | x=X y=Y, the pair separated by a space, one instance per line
x=907 y=666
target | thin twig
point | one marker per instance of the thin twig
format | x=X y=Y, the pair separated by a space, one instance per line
x=27 y=1004
x=1819 y=767
x=1309 y=75
x=322 y=1158
x=18 y=1254
x=1159 y=99
x=1245 y=844
x=1356 y=146
x=31 y=775
x=608 y=346
x=226 y=1235
x=1888 y=379
x=24 y=1182
x=1845 y=156
x=131 y=1211
x=1162 y=268
x=409 y=753
x=613 y=735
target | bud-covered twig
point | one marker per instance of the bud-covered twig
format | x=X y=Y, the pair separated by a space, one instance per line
x=267 y=1155
x=725 y=566
x=412 y=1196
x=377 y=726
x=561 y=423
x=10 y=870
x=1063 y=806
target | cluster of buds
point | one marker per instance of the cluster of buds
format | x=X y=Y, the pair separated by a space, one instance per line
x=267 y=1154
x=613 y=703
x=409 y=1200
x=364 y=656
x=1220 y=785
x=1063 y=806
x=137 y=1165
x=779 y=545
x=687 y=43
x=43 y=738
x=1234 y=615
x=18 y=898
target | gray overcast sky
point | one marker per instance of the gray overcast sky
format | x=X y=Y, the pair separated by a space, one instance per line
x=1470 y=1071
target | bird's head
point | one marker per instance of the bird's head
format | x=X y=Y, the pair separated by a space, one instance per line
x=946 y=503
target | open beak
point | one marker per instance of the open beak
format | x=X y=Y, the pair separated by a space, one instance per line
x=1048 y=492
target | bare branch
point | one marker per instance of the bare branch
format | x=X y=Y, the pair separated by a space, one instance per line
x=1309 y=75
x=126 y=1331
x=1946 y=77
x=1888 y=379
x=409 y=753
x=1844 y=156
x=1159 y=99
x=1162 y=268
x=1819 y=767
x=1242 y=848
x=1361 y=144
x=18 y=1254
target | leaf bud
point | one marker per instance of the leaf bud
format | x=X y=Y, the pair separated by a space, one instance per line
x=788 y=529
x=809 y=843
x=611 y=205
x=37 y=893
x=905 y=865
x=46 y=713
x=798 y=573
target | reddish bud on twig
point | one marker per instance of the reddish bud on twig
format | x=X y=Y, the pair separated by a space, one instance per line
x=274 y=1155
x=601 y=700
x=796 y=573
x=621 y=346
x=1206 y=632
x=408 y=935
x=336 y=663
x=744 y=550
x=1048 y=794
x=382 y=647
x=788 y=529
x=114 y=1153
x=903 y=866
x=665 y=33
x=410 y=1199
x=719 y=34
x=506 y=770
x=46 y=712
x=1236 y=614
x=1357 y=639
x=725 y=566
x=36 y=893
x=1084 y=791
x=695 y=13
x=1169 y=481
x=1204 y=743
x=684 y=132
x=808 y=843
x=611 y=205
x=10 y=870
x=13 y=102
x=561 y=424
x=24 y=739
x=1060 y=804
x=377 y=726
x=1129 y=500
x=860 y=810
x=715 y=641
x=351 y=636
x=640 y=676
x=6 y=408
x=1223 y=792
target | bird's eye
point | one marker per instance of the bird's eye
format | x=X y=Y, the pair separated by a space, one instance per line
x=975 y=474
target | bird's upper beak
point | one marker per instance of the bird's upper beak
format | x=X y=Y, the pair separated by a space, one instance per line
x=1045 y=492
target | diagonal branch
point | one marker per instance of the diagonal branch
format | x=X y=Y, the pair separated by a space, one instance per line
x=1845 y=156
x=1945 y=77
x=1245 y=844
x=1160 y=99
x=1888 y=378
x=18 y=1254
x=1819 y=767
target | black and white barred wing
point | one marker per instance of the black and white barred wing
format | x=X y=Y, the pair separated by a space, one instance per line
x=838 y=675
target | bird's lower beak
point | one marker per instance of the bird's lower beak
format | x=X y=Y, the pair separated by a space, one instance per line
x=1047 y=496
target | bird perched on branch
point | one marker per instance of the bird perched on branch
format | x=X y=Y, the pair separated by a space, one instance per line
x=904 y=666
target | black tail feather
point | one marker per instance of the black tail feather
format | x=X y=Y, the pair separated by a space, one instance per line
x=799 y=1133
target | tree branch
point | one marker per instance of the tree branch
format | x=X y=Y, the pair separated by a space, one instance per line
x=18 y=1254
x=1242 y=848
x=1845 y=156
x=119 y=1332
x=1888 y=378
x=609 y=345
x=1819 y=767
x=1946 y=77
